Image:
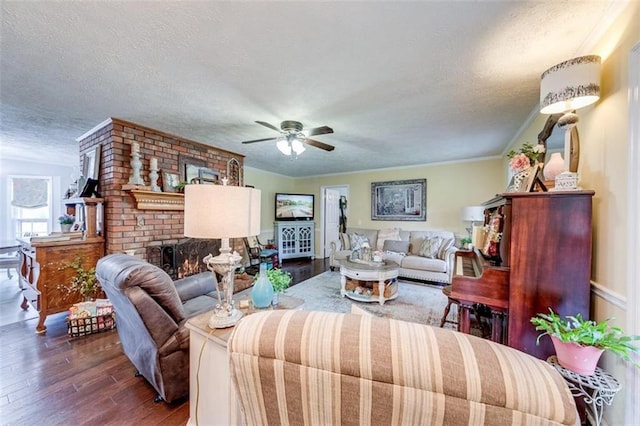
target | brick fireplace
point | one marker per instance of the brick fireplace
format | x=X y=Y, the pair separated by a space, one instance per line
x=127 y=227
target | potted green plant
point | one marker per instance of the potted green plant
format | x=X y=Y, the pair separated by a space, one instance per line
x=466 y=242
x=66 y=220
x=280 y=281
x=579 y=343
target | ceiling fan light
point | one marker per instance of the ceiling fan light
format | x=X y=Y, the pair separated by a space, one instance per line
x=284 y=147
x=297 y=146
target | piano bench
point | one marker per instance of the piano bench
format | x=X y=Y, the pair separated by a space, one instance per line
x=477 y=312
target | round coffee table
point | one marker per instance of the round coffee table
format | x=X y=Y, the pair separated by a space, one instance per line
x=378 y=279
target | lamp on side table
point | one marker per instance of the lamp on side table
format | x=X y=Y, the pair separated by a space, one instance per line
x=221 y=211
x=472 y=215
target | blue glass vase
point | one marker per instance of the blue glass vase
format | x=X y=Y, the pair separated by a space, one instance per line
x=262 y=291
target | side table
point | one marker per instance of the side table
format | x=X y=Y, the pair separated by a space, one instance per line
x=595 y=390
x=212 y=399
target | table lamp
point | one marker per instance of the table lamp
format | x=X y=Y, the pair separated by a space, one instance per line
x=221 y=211
x=564 y=88
x=472 y=214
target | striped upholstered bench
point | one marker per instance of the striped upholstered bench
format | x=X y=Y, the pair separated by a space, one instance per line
x=321 y=368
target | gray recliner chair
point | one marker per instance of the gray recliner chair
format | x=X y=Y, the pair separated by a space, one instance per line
x=151 y=312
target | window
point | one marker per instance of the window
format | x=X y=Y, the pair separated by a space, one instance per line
x=30 y=205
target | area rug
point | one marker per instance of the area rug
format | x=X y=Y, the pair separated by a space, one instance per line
x=420 y=303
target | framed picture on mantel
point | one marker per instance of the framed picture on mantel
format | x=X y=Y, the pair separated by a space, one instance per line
x=189 y=167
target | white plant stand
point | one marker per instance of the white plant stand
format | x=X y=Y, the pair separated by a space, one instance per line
x=595 y=390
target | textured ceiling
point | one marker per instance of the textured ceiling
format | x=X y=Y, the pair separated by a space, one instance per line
x=401 y=83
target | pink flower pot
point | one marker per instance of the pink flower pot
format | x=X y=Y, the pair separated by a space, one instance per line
x=572 y=356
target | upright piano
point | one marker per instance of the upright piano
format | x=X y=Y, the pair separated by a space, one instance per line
x=542 y=260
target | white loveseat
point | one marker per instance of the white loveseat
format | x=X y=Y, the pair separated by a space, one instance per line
x=404 y=248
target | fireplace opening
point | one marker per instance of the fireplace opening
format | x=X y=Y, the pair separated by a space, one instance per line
x=183 y=259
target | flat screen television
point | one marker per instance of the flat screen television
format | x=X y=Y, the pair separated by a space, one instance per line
x=294 y=206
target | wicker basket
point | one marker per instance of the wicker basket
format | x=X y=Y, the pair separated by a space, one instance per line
x=390 y=286
x=77 y=327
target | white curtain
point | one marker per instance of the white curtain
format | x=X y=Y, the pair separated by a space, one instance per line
x=30 y=193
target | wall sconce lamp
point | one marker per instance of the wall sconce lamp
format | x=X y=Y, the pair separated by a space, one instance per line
x=564 y=88
x=221 y=211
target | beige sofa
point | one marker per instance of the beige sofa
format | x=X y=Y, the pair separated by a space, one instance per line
x=403 y=247
x=325 y=368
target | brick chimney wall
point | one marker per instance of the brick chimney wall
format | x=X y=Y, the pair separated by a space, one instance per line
x=126 y=227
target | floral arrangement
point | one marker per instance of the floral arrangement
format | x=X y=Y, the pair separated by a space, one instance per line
x=279 y=279
x=85 y=281
x=66 y=219
x=526 y=157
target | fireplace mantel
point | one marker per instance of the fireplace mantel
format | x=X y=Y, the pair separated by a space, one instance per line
x=151 y=200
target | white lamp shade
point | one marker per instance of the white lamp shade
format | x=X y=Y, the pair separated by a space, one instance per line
x=284 y=147
x=217 y=211
x=472 y=214
x=297 y=146
x=570 y=85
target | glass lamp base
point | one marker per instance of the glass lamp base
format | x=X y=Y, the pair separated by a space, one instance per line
x=223 y=320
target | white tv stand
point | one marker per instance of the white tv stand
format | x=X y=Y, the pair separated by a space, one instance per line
x=295 y=239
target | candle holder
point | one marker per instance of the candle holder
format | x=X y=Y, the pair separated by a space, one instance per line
x=136 y=166
x=153 y=177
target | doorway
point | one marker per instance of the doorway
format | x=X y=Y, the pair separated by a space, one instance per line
x=330 y=215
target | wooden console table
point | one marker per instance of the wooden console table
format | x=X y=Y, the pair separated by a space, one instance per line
x=45 y=273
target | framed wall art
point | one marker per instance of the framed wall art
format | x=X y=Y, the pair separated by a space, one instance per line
x=523 y=181
x=403 y=200
x=189 y=167
x=170 y=181
x=91 y=163
x=208 y=176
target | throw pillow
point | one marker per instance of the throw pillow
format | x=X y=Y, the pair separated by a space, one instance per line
x=401 y=247
x=387 y=234
x=345 y=241
x=447 y=243
x=430 y=247
x=357 y=240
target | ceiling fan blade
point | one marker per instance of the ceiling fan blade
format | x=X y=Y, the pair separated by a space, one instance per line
x=319 y=131
x=271 y=126
x=260 y=140
x=319 y=144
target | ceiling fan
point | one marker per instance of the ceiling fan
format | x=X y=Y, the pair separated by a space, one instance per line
x=294 y=138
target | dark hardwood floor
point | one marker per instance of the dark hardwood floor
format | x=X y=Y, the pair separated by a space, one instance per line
x=51 y=379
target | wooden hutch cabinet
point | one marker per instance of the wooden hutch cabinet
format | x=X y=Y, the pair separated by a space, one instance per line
x=546 y=244
x=45 y=274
